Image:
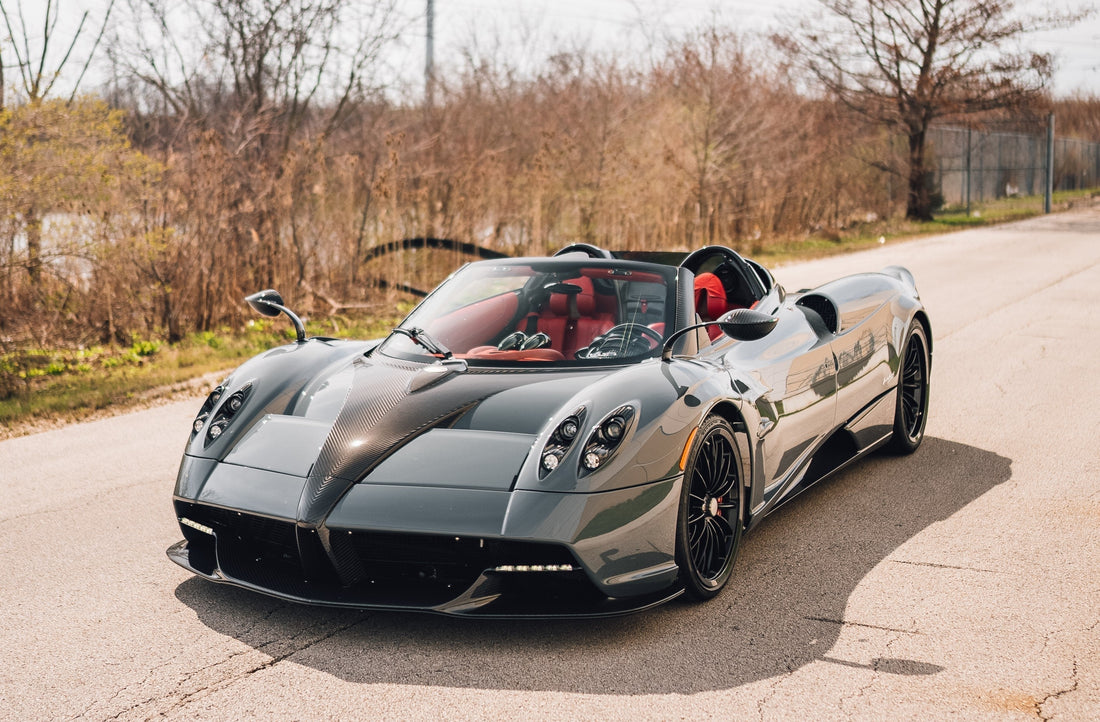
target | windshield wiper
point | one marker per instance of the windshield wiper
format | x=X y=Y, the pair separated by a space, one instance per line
x=420 y=336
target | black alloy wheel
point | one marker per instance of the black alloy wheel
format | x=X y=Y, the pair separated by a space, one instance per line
x=911 y=410
x=710 y=524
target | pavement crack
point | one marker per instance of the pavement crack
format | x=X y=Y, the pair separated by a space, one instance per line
x=1022 y=298
x=1060 y=693
x=181 y=696
x=84 y=502
x=773 y=689
x=944 y=566
x=845 y=623
x=185 y=699
x=847 y=701
x=256 y=622
x=119 y=692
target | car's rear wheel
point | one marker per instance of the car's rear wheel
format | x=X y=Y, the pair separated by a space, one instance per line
x=911 y=409
x=708 y=532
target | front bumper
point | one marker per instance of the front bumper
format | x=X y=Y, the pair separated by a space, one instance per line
x=450 y=551
x=491 y=595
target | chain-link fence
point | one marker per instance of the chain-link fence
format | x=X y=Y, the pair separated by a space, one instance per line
x=975 y=166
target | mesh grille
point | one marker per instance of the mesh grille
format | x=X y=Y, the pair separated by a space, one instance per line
x=446 y=560
x=250 y=548
x=374 y=568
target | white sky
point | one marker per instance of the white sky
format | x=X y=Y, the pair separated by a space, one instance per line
x=626 y=23
x=526 y=31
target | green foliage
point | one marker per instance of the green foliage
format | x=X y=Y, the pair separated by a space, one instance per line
x=865 y=235
x=145 y=348
x=209 y=338
x=64 y=156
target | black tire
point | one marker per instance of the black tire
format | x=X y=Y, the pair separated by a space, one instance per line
x=911 y=407
x=710 y=523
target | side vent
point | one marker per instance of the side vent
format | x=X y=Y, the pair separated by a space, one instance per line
x=824 y=308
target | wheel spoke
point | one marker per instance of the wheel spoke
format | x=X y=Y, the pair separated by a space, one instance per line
x=722 y=527
x=912 y=388
x=705 y=470
x=712 y=507
x=715 y=550
x=720 y=480
x=702 y=549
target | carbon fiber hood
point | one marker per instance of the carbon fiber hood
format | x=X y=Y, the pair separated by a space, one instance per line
x=389 y=403
x=330 y=430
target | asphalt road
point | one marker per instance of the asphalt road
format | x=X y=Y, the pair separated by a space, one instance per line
x=961 y=581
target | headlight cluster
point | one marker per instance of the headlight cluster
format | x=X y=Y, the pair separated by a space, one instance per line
x=224 y=415
x=561 y=441
x=605 y=439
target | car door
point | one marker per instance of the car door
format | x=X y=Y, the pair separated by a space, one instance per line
x=866 y=366
x=790 y=378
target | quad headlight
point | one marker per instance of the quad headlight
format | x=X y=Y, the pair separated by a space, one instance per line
x=215 y=418
x=605 y=439
x=561 y=440
x=603 y=442
x=204 y=413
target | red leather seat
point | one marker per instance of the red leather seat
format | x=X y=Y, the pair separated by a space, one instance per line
x=710 y=301
x=571 y=327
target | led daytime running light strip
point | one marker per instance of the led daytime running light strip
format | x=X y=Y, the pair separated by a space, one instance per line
x=195 y=525
x=534 y=568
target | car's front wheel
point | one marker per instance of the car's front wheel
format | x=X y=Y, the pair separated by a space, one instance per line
x=708 y=532
x=911 y=409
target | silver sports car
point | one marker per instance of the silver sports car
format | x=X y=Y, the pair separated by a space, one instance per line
x=585 y=434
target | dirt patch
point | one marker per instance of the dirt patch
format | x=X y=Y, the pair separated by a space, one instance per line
x=1005 y=700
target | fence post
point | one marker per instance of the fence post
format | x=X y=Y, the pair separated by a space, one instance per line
x=968 y=171
x=1050 y=164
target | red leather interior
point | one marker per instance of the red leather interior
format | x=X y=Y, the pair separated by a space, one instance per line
x=710 y=301
x=570 y=329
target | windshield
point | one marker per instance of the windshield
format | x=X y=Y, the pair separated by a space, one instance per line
x=542 y=312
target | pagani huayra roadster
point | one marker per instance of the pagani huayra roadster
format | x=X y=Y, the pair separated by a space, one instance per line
x=581 y=435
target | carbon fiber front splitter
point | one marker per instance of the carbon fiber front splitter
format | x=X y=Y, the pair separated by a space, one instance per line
x=499 y=595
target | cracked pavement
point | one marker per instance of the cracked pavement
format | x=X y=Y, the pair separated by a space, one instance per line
x=961 y=581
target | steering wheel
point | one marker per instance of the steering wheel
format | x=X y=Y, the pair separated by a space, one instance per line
x=626 y=339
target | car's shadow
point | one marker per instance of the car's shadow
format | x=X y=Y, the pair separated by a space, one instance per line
x=783 y=609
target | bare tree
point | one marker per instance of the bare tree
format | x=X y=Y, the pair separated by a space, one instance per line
x=719 y=95
x=905 y=64
x=274 y=57
x=38 y=67
x=248 y=93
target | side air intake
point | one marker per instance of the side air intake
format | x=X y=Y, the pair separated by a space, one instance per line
x=824 y=308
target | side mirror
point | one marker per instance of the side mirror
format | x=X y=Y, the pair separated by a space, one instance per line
x=270 y=303
x=266 y=303
x=745 y=324
x=740 y=324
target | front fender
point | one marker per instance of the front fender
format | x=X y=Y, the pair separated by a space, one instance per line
x=669 y=400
